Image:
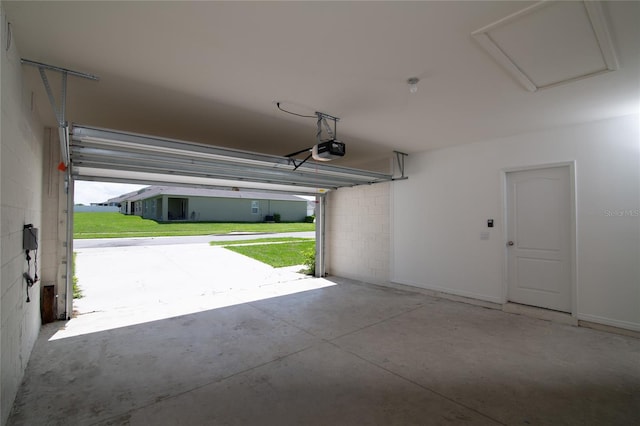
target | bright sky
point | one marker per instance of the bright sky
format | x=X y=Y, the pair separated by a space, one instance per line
x=97 y=192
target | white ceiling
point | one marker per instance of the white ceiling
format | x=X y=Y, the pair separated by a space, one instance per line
x=211 y=71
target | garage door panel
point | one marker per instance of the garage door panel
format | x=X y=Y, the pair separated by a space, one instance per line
x=111 y=154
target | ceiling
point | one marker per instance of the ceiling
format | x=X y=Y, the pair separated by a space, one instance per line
x=210 y=72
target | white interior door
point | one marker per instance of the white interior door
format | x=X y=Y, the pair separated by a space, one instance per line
x=539 y=237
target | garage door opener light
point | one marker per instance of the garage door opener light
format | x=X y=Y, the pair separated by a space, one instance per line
x=328 y=147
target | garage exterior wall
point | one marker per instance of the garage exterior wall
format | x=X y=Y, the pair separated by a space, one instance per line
x=358 y=232
x=223 y=209
x=290 y=211
x=21 y=159
x=230 y=209
x=151 y=208
x=439 y=212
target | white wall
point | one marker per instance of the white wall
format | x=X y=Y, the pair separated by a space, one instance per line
x=438 y=214
x=357 y=233
x=21 y=143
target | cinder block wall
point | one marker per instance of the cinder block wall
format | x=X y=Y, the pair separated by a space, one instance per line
x=358 y=234
x=53 y=235
x=21 y=143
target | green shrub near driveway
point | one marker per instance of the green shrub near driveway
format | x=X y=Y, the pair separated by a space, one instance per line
x=77 y=292
x=310 y=260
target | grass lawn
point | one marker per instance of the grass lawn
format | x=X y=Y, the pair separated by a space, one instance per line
x=117 y=225
x=260 y=241
x=276 y=254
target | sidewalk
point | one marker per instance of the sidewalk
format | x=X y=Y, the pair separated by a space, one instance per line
x=194 y=239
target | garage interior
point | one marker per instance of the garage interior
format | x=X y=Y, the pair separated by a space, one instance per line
x=442 y=311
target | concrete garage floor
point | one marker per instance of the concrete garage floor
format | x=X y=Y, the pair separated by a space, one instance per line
x=339 y=353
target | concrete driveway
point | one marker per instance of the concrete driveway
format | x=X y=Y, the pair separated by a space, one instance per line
x=134 y=284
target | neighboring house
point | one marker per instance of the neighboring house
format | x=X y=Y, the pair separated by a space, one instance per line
x=108 y=203
x=169 y=203
x=123 y=201
x=95 y=208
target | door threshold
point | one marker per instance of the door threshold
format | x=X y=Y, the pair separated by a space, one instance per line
x=540 y=313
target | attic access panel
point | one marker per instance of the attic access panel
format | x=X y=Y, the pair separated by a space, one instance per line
x=110 y=155
x=551 y=43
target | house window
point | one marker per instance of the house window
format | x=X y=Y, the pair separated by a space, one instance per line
x=255 y=207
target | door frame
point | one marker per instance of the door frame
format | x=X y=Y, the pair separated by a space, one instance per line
x=573 y=230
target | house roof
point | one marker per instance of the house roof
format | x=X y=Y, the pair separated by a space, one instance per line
x=156 y=191
x=123 y=197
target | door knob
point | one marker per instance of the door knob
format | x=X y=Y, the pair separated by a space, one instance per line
x=510 y=243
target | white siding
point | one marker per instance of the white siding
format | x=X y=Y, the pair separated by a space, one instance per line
x=240 y=210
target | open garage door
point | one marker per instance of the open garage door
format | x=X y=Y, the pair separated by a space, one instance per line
x=98 y=154
x=109 y=155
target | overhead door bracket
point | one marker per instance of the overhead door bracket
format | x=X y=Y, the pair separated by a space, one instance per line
x=400 y=157
x=59 y=111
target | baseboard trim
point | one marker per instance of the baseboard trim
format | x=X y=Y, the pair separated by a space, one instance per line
x=466 y=297
x=443 y=295
x=609 y=328
x=529 y=311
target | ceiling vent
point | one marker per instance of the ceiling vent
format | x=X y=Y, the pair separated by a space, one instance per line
x=551 y=43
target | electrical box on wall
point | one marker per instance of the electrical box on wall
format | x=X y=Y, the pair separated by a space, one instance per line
x=30 y=238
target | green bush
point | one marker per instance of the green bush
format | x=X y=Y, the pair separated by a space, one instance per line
x=309 y=219
x=276 y=217
x=310 y=261
x=77 y=291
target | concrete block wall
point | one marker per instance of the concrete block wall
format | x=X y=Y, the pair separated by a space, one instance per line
x=358 y=233
x=53 y=234
x=21 y=143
